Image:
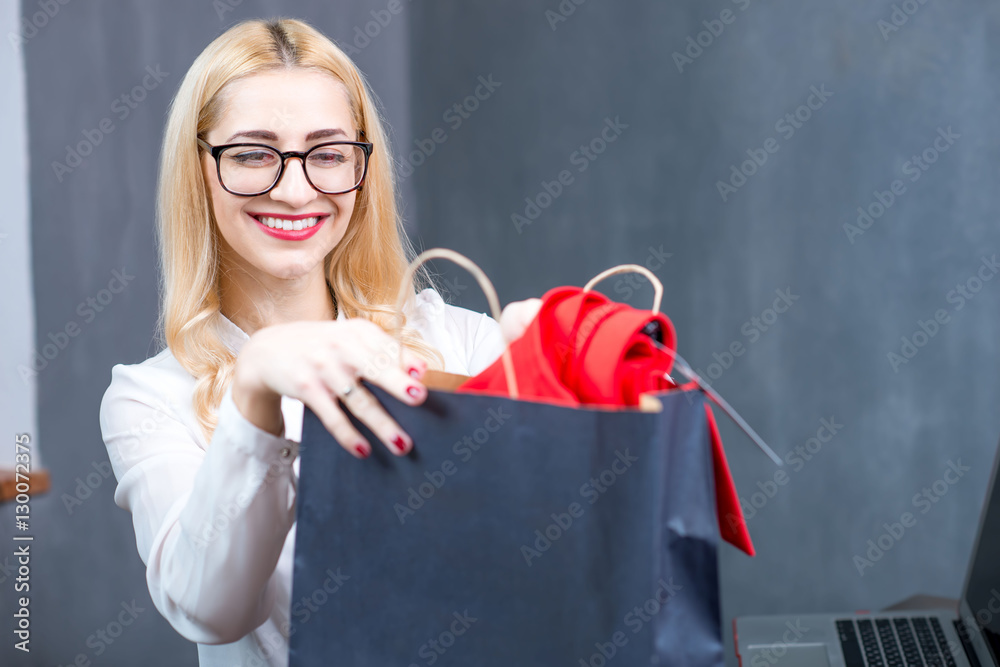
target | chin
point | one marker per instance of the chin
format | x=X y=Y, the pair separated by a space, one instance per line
x=294 y=270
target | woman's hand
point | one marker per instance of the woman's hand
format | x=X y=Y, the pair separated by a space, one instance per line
x=516 y=316
x=316 y=362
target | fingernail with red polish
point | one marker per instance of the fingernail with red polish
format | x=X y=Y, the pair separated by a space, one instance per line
x=413 y=391
x=414 y=372
x=362 y=451
x=399 y=443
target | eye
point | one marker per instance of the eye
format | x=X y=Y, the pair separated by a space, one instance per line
x=250 y=157
x=328 y=156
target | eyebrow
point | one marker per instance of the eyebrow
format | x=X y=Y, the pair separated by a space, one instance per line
x=267 y=135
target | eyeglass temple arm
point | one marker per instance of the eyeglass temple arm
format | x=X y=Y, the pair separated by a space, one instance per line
x=690 y=374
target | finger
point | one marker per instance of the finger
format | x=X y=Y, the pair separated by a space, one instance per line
x=404 y=387
x=378 y=351
x=320 y=401
x=369 y=411
x=516 y=316
x=413 y=365
x=401 y=386
x=398 y=371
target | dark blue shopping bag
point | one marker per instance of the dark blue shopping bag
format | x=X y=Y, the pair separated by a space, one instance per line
x=516 y=533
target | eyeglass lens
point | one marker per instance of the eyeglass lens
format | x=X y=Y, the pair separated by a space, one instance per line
x=254 y=169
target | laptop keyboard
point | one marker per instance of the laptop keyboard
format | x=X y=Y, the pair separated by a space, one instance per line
x=894 y=642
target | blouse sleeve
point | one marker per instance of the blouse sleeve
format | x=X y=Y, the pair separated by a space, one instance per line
x=485 y=345
x=209 y=524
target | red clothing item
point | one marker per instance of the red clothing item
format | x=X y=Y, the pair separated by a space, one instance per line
x=582 y=348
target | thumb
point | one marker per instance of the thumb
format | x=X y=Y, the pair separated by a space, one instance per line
x=516 y=316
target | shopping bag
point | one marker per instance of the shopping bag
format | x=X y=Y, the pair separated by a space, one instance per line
x=515 y=533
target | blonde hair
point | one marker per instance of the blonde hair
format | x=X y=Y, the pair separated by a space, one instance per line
x=365 y=269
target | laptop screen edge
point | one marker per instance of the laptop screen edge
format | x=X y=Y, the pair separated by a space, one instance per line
x=966 y=614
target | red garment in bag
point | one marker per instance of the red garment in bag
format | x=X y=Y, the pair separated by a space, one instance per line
x=582 y=348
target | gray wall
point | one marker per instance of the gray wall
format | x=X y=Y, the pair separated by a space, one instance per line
x=653 y=188
x=17 y=389
x=97 y=219
x=827 y=356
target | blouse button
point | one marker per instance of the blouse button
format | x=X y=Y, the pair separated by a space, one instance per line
x=285 y=452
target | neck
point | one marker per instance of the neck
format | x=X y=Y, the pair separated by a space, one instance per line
x=252 y=301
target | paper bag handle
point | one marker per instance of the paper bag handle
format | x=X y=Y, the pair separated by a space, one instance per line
x=682 y=365
x=484 y=283
x=631 y=268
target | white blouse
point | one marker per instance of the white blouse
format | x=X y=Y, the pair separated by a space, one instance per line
x=215 y=525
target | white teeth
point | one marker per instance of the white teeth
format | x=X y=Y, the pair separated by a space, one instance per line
x=277 y=223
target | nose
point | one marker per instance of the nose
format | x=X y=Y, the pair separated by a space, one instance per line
x=293 y=188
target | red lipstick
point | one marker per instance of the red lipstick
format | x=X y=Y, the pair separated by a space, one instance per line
x=289 y=234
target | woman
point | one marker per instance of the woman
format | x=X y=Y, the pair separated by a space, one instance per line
x=282 y=256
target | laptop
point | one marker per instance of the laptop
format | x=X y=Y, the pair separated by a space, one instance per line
x=944 y=638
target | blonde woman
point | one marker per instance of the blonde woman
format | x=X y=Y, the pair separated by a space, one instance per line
x=281 y=252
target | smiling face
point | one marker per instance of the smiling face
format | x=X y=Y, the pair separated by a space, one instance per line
x=290 y=110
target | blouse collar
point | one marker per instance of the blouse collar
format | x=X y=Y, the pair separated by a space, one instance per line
x=234 y=337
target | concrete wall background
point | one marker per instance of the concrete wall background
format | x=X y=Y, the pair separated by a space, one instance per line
x=651 y=197
x=17 y=409
x=92 y=220
x=654 y=191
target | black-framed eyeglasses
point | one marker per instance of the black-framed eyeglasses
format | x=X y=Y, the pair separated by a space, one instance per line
x=250 y=170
